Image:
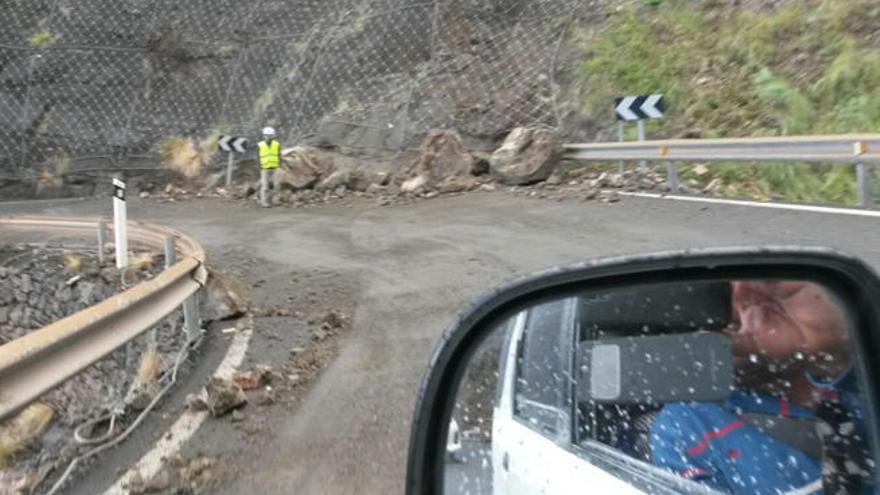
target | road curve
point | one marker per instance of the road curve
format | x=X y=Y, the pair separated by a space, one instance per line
x=417 y=266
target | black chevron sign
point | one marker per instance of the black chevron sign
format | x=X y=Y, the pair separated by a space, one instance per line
x=232 y=143
x=640 y=107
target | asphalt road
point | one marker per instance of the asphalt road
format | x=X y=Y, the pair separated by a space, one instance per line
x=416 y=267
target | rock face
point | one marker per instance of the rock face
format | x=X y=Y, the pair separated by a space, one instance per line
x=443 y=155
x=528 y=155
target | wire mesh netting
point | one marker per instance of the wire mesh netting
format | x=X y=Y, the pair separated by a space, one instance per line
x=112 y=78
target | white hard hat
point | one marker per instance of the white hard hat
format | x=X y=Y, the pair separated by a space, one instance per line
x=268 y=131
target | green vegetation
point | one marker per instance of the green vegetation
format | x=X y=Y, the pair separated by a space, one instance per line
x=41 y=39
x=812 y=66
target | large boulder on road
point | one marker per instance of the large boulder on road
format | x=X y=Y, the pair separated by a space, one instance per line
x=302 y=168
x=528 y=155
x=442 y=155
x=223 y=299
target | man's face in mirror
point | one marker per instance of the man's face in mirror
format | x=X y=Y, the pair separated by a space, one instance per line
x=786 y=326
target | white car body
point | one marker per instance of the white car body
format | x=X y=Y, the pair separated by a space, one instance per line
x=527 y=462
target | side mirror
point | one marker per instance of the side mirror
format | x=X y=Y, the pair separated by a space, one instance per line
x=731 y=371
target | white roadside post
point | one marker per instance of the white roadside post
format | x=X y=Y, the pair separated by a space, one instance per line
x=120 y=224
x=862 y=182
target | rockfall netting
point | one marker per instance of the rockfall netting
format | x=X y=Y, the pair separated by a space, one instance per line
x=106 y=81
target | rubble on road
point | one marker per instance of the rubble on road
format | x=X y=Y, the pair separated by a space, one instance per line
x=137 y=485
x=267 y=396
x=528 y=162
x=333 y=319
x=254 y=378
x=223 y=396
x=198 y=476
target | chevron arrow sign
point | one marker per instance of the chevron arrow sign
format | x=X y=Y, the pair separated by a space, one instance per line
x=640 y=107
x=232 y=143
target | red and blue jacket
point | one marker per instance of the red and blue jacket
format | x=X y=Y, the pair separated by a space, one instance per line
x=711 y=444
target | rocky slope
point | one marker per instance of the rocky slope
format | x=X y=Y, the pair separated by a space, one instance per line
x=95 y=83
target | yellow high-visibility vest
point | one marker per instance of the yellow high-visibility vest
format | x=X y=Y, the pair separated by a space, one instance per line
x=270 y=154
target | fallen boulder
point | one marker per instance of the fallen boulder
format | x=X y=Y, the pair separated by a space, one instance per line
x=223 y=299
x=302 y=168
x=442 y=155
x=457 y=184
x=341 y=177
x=414 y=185
x=223 y=396
x=528 y=155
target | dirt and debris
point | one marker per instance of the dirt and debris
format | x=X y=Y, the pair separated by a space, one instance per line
x=179 y=476
x=297 y=319
x=253 y=378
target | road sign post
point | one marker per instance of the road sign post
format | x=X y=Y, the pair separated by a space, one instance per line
x=640 y=130
x=637 y=109
x=672 y=176
x=229 y=169
x=231 y=145
x=862 y=185
x=120 y=224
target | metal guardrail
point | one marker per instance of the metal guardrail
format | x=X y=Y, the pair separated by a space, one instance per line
x=856 y=149
x=36 y=363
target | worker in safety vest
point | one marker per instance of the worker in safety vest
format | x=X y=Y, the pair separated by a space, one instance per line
x=270 y=159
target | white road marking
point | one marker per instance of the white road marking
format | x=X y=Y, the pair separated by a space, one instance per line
x=186 y=425
x=777 y=206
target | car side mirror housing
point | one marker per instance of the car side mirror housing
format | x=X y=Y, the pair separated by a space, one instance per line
x=562 y=378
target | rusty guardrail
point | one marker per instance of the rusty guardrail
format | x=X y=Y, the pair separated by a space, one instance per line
x=34 y=364
x=857 y=149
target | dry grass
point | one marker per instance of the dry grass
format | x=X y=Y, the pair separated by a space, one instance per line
x=19 y=432
x=150 y=367
x=142 y=261
x=72 y=262
x=186 y=156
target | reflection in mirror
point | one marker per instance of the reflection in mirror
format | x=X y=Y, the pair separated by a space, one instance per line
x=724 y=386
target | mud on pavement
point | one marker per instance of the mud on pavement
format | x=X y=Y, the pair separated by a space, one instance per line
x=297 y=319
